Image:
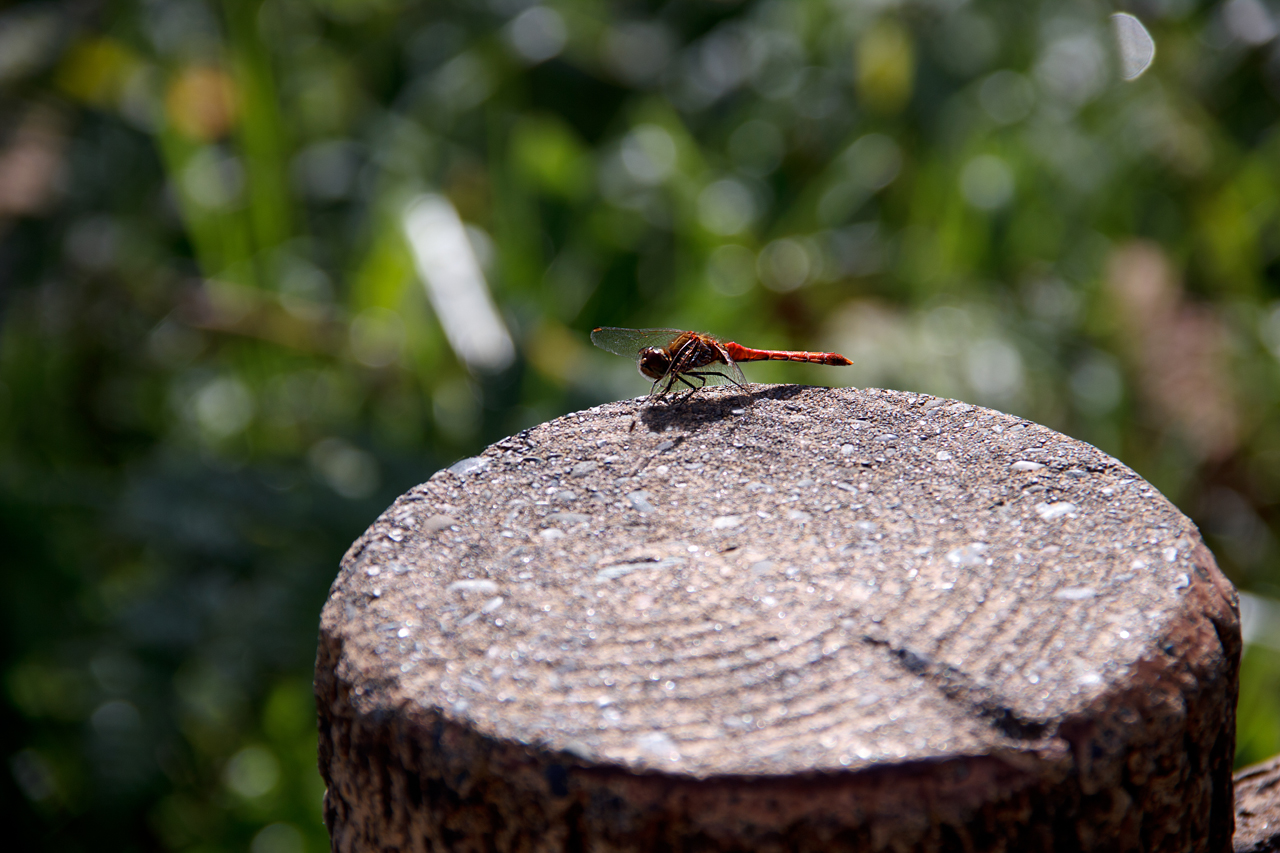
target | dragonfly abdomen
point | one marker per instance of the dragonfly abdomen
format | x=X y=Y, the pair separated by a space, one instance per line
x=740 y=353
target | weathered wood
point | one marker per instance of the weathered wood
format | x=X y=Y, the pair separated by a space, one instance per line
x=1258 y=808
x=809 y=619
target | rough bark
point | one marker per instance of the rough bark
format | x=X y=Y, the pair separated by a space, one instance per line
x=1258 y=808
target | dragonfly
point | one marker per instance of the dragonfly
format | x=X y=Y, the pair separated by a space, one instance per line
x=671 y=356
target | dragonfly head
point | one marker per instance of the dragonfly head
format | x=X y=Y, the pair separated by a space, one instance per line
x=654 y=362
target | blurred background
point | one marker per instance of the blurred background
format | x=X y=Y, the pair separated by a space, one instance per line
x=266 y=264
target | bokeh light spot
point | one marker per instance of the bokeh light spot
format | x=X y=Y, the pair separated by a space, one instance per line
x=537 y=34
x=34 y=775
x=463 y=82
x=785 y=265
x=326 y=171
x=213 y=180
x=637 y=52
x=349 y=471
x=252 y=772
x=377 y=337
x=649 y=154
x=1249 y=21
x=116 y=717
x=278 y=838
x=1136 y=46
x=549 y=153
x=986 y=182
x=885 y=67
x=994 y=370
x=1006 y=96
x=224 y=406
x=731 y=269
x=1096 y=385
x=201 y=103
x=726 y=207
x=1269 y=329
x=94 y=70
x=967 y=42
x=455 y=283
x=873 y=161
x=1073 y=69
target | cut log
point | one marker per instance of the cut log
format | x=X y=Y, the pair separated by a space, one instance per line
x=1258 y=808
x=803 y=619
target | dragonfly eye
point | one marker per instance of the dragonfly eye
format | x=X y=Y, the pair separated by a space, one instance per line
x=654 y=363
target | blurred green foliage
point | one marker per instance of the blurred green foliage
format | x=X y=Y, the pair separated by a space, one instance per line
x=218 y=361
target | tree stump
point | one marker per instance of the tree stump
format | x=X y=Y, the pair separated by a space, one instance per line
x=1258 y=808
x=795 y=619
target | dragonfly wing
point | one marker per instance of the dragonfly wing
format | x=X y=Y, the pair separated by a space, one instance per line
x=628 y=342
x=730 y=371
x=735 y=373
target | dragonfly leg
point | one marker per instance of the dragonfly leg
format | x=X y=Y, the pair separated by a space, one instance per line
x=702 y=375
x=683 y=377
x=693 y=389
x=668 y=383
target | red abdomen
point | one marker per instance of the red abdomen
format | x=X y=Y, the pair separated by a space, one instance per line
x=740 y=353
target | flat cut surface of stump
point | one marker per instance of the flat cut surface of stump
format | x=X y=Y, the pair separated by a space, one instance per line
x=797 y=619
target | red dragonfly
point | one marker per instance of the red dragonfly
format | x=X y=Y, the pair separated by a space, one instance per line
x=668 y=356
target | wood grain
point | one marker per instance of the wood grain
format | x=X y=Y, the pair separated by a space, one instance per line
x=804 y=619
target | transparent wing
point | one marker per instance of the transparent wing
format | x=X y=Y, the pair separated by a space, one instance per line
x=628 y=342
x=735 y=373
x=722 y=374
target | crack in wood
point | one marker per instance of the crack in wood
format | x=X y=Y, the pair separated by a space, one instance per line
x=958 y=687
